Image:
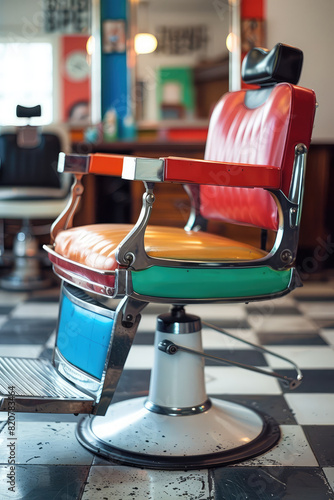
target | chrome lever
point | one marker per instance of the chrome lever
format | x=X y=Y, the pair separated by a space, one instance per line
x=170 y=348
x=297 y=380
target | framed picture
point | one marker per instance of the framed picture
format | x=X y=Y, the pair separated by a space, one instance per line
x=252 y=34
x=66 y=16
x=113 y=36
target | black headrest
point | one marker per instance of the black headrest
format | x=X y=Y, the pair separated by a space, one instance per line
x=24 y=112
x=263 y=67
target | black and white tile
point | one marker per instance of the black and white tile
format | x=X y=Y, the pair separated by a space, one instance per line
x=51 y=464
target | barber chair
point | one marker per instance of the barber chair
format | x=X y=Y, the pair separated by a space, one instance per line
x=253 y=174
x=30 y=188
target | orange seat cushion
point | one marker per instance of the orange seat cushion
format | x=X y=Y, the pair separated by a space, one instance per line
x=95 y=245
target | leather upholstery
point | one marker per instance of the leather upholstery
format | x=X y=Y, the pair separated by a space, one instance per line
x=25 y=112
x=265 y=135
x=281 y=64
x=29 y=167
x=95 y=245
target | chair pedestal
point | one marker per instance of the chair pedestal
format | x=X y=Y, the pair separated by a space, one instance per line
x=26 y=274
x=178 y=426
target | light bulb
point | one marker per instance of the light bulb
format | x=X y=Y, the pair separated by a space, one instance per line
x=145 y=43
x=90 y=45
x=231 y=42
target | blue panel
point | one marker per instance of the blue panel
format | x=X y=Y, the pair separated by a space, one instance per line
x=83 y=337
x=113 y=9
x=114 y=67
x=114 y=84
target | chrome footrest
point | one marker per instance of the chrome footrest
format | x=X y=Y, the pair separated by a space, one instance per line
x=33 y=385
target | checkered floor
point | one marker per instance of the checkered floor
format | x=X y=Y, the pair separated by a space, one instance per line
x=50 y=464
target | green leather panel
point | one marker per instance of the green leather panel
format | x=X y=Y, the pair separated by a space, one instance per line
x=209 y=283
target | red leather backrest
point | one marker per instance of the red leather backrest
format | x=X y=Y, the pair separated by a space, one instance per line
x=265 y=135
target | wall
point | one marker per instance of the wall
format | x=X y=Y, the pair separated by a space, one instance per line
x=23 y=21
x=21 y=18
x=308 y=25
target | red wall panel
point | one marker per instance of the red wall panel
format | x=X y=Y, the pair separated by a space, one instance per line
x=75 y=87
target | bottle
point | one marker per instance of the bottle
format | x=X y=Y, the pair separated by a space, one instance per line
x=110 y=126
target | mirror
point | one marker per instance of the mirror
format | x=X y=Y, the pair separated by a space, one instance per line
x=180 y=81
x=188 y=72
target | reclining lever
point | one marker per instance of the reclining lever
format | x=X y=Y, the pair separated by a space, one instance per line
x=170 y=348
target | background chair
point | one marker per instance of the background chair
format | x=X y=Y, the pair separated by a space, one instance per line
x=30 y=188
x=253 y=174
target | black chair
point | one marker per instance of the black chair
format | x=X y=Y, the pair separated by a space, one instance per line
x=30 y=188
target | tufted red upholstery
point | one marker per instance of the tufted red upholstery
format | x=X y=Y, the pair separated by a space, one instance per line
x=265 y=135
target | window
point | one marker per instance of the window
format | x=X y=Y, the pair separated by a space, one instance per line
x=26 y=79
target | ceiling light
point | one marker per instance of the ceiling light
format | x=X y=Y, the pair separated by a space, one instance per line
x=145 y=43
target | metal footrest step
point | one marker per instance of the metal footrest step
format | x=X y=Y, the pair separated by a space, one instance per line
x=34 y=385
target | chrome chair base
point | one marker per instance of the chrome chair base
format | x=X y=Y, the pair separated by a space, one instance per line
x=132 y=434
x=26 y=274
x=18 y=283
x=177 y=426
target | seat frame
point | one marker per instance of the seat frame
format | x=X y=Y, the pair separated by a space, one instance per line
x=131 y=251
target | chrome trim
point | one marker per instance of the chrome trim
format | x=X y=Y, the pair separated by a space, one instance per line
x=83 y=283
x=298 y=175
x=40 y=388
x=178 y=412
x=120 y=282
x=61 y=162
x=49 y=249
x=189 y=324
x=73 y=163
x=143 y=169
x=125 y=326
x=295 y=281
x=82 y=299
x=65 y=218
x=77 y=377
x=297 y=183
x=131 y=251
x=195 y=221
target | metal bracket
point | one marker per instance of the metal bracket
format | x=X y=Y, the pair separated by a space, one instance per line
x=125 y=326
x=65 y=219
x=131 y=251
x=130 y=309
x=284 y=250
x=195 y=222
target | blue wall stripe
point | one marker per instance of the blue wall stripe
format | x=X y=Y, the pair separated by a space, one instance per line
x=114 y=68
